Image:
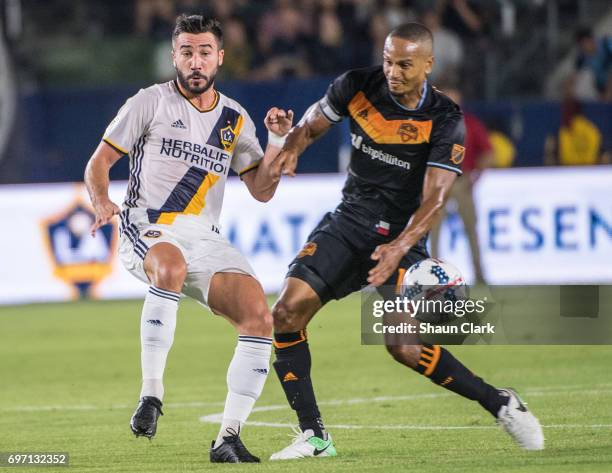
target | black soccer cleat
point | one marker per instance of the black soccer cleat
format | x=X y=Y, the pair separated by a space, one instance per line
x=144 y=420
x=232 y=450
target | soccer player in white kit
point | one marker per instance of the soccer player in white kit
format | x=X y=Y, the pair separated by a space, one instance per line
x=182 y=137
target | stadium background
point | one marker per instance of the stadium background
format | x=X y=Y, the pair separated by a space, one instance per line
x=543 y=91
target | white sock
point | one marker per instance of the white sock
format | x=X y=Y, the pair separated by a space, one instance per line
x=157 y=326
x=246 y=376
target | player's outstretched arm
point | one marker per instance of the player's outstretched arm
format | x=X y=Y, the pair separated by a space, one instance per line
x=97 y=182
x=312 y=125
x=262 y=183
x=436 y=187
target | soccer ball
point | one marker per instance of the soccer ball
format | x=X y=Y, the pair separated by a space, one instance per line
x=434 y=280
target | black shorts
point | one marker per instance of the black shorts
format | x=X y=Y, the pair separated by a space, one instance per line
x=335 y=261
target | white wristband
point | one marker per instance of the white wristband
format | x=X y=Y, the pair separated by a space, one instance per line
x=275 y=140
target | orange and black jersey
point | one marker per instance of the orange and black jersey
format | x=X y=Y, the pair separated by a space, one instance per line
x=392 y=145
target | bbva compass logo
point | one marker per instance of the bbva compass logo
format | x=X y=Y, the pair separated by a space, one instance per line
x=78 y=259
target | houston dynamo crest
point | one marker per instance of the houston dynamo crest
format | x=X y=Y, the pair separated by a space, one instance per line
x=76 y=257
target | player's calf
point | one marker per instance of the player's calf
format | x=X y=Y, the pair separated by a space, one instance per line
x=240 y=298
x=258 y=323
x=288 y=316
x=443 y=369
x=408 y=355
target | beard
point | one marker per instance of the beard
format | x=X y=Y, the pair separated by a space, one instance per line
x=207 y=81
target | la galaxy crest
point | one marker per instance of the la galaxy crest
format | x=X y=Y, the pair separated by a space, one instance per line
x=78 y=259
x=228 y=136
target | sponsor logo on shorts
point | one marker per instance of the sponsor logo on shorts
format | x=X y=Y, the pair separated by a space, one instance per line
x=457 y=154
x=309 y=249
x=153 y=234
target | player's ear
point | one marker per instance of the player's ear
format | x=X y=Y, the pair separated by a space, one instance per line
x=221 y=54
x=429 y=62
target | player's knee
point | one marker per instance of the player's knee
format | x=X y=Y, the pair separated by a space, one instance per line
x=170 y=276
x=258 y=322
x=407 y=355
x=287 y=316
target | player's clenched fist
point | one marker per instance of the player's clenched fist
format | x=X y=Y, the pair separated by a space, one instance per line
x=279 y=121
x=104 y=210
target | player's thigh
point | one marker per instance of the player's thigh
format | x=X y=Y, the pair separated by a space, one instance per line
x=240 y=299
x=221 y=278
x=296 y=306
x=328 y=263
x=165 y=266
x=148 y=253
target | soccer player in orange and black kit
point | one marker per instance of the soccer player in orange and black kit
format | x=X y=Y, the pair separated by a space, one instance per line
x=407 y=140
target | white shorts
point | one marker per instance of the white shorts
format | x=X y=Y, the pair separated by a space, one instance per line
x=206 y=253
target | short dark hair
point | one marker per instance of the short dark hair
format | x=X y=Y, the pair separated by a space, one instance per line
x=415 y=32
x=584 y=32
x=198 y=24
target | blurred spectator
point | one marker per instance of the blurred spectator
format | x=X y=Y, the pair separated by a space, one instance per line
x=238 y=52
x=448 y=50
x=461 y=16
x=155 y=18
x=378 y=31
x=397 y=12
x=579 y=141
x=284 y=44
x=328 y=53
x=478 y=156
x=593 y=65
x=193 y=7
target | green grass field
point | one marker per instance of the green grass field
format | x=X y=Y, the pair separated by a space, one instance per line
x=69 y=381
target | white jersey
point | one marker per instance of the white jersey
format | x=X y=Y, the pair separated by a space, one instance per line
x=180 y=155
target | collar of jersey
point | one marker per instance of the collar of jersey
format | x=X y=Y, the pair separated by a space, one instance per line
x=421 y=100
x=201 y=110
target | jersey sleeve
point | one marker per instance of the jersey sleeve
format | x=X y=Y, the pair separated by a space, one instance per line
x=131 y=122
x=334 y=105
x=247 y=153
x=447 y=143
